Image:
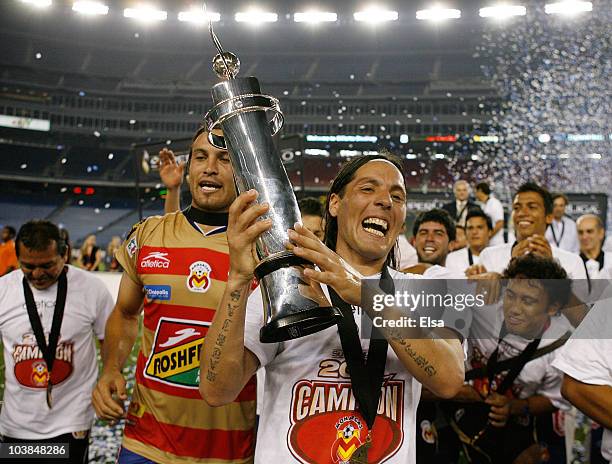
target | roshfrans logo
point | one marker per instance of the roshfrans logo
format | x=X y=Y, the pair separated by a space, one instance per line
x=156 y=259
x=199 y=279
x=175 y=353
x=158 y=292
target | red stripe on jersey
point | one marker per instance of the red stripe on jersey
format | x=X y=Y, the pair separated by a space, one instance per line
x=176 y=261
x=191 y=442
x=154 y=311
x=248 y=393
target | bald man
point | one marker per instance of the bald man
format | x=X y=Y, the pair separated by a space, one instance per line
x=459 y=208
x=591 y=235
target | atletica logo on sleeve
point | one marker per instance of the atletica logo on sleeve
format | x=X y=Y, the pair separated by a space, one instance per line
x=175 y=355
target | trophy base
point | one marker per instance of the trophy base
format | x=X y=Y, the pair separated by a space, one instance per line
x=299 y=324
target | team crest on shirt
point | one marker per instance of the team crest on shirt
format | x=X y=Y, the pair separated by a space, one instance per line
x=325 y=422
x=349 y=437
x=31 y=369
x=40 y=374
x=199 y=279
x=175 y=354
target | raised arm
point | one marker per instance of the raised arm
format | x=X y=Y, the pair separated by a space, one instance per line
x=226 y=365
x=171 y=174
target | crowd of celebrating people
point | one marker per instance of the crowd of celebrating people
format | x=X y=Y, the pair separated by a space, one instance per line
x=501 y=386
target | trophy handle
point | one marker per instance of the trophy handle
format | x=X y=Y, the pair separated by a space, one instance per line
x=239 y=104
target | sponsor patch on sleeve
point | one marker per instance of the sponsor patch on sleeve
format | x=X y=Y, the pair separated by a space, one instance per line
x=131 y=247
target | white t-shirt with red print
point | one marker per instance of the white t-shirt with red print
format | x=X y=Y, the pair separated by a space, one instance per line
x=25 y=413
x=309 y=410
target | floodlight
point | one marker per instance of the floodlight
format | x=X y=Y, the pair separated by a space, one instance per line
x=568 y=7
x=438 y=14
x=145 y=13
x=199 y=16
x=90 y=8
x=255 y=17
x=375 y=15
x=38 y=3
x=502 y=11
x=315 y=17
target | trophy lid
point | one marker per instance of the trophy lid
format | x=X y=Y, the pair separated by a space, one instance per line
x=226 y=65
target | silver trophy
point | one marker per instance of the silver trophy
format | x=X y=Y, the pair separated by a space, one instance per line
x=293 y=306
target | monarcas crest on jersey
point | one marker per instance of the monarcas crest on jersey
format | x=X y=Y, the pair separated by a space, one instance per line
x=198 y=279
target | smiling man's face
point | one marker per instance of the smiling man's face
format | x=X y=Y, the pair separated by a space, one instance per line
x=529 y=215
x=211 y=178
x=370 y=212
x=432 y=243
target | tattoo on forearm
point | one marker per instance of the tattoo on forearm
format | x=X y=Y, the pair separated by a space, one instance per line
x=213 y=362
x=418 y=359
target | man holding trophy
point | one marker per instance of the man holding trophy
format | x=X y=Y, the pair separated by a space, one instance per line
x=309 y=411
x=323 y=402
x=175 y=267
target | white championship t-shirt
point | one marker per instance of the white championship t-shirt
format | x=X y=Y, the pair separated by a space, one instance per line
x=537 y=377
x=25 y=413
x=587 y=356
x=309 y=412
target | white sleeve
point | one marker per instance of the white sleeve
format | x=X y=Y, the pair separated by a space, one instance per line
x=265 y=352
x=586 y=355
x=485 y=260
x=574 y=245
x=4 y=285
x=497 y=212
x=551 y=386
x=583 y=359
x=459 y=320
x=607 y=246
x=104 y=306
x=577 y=270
